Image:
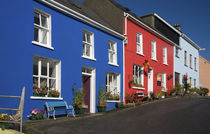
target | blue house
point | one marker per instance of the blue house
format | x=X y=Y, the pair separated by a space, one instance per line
x=51 y=45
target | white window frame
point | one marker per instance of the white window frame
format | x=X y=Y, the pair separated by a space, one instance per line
x=165 y=55
x=139 y=43
x=185 y=57
x=91 y=45
x=164 y=82
x=195 y=83
x=153 y=50
x=138 y=75
x=57 y=77
x=177 y=51
x=112 y=50
x=114 y=86
x=195 y=63
x=190 y=60
x=42 y=28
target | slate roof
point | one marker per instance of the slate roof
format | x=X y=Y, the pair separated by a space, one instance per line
x=74 y=5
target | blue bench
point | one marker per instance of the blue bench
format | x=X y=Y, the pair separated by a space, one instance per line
x=58 y=105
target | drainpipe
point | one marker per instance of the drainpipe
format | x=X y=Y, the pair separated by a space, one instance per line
x=125 y=41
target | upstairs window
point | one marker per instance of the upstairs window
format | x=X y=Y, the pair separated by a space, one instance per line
x=185 y=57
x=112 y=52
x=164 y=55
x=190 y=61
x=177 y=52
x=42 y=28
x=138 y=75
x=153 y=50
x=139 y=42
x=195 y=63
x=88 y=45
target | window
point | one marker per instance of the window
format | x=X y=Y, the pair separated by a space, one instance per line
x=185 y=57
x=177 y=78
x=113 y=86
x=153 y=46
x=190 y=61
x=42 y=28
x=195 y=63
x=177 y=52
x=164 y=55
x=138 y=75
x=112 y=52
x=88 y=45
x=190 y=81
x=164 y=81
x=139 y=43
x=46 y=74
x=194 y=83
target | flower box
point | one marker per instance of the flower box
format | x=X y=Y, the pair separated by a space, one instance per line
x=101 y=108
x=79 y=111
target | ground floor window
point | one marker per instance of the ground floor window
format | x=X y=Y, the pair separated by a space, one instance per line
x=113 y=86
x=46 y=77
x=177 y=78
x=138 y=75
x=195 y=83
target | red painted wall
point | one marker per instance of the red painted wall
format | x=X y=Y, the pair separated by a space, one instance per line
x=131 y=58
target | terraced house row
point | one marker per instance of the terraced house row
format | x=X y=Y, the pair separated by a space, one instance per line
x=53 y=45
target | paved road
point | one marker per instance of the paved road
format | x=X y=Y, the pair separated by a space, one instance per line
x=175 y=116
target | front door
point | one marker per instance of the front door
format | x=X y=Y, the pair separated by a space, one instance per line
x=150 y=81
x=86 y=85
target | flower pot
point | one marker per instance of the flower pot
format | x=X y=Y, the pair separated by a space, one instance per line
x=50 y=95
x=101 y=108
x=79 y=111
x=4 y=125
x=119 y=105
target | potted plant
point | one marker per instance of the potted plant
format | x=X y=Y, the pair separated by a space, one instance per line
x=36 y=115
x=135 y=84
x=119 y=104
x=78 y=101
x=102 y=104
x=111 y=96
x=40 y=92
x=53 y=93
x=4 y=117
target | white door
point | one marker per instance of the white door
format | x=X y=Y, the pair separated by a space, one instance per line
x=150 y=81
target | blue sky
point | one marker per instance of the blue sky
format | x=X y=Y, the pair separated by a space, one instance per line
x=192 y=15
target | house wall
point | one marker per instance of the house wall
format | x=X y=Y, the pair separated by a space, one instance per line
x=179 y=65
x=17 y=51
x=131 y=58
x=204 y=73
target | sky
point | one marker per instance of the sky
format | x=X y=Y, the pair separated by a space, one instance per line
x=192 y=15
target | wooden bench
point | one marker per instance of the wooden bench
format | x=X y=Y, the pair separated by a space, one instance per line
x=58 y=105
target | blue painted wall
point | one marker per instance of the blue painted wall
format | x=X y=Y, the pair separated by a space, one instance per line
x=179 y=65
x=17 y=51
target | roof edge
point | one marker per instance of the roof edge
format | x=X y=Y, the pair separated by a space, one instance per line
x=190 y=41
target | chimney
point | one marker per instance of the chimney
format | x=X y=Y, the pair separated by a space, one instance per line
x=177 y=26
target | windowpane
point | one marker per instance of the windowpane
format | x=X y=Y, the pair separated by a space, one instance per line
x=35 y=66
x=36 y=34
x=44 y=36
x=87 y=50
x=44 y=68
x=43 y=83
x=52 y=69
x=88 y=38
x=44 y=21
x=35 y=81
x=36 y=18
x=52 y=84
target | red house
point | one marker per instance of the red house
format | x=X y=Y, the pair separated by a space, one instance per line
x=148 y=55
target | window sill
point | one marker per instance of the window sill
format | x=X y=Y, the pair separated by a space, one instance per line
x=140 y=88
x=113 y=64
x=196 y=70
x=155 y=60
x=112 y=101
x=165 y=64
x=140 y=54
x=42 y=45
x=191 y=68
x=45 y=98
x=185 y=65
x=177 y=57
x=93 y=59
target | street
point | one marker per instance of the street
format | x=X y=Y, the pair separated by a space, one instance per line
x=172 y=116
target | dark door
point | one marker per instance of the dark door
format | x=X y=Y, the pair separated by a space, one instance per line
x=177 y=78
x=86 y=86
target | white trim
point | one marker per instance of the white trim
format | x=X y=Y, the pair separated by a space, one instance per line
x=81 y=17
x=45 y=98
x=112 y=101
x=140 y=54
x=123 y=72
x=140 y=88
x=113 y=64
x=42 y=45
x=153 y=31
x=190 y=41
x=88 y=58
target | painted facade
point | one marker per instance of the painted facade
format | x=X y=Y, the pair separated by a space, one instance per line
x=59 y=60
x=204 y=73
x=139 y=78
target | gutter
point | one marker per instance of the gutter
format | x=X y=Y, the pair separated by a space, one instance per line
x=80 y=17
x=191 y=42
